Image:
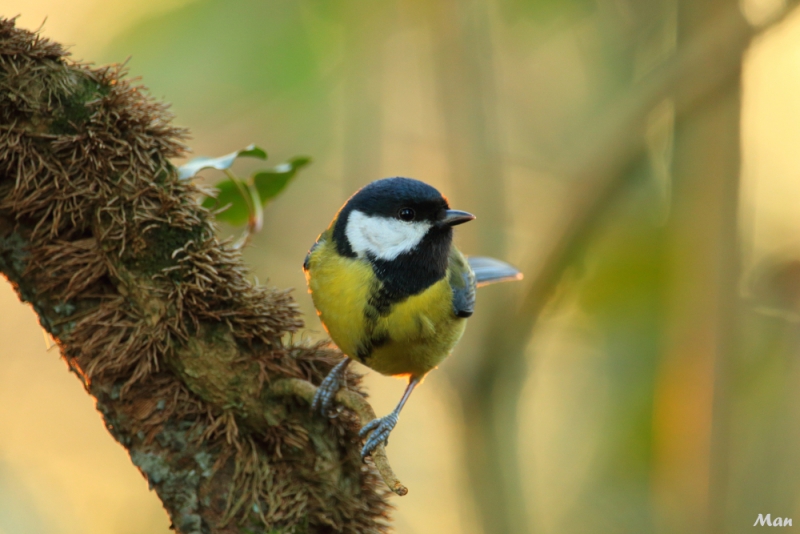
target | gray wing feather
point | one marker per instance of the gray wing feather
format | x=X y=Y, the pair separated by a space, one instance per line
x=462 y=282
x=464 y=296
x=489 y=270
x=308 y=256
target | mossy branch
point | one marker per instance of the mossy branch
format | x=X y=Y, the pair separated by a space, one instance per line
x=158 y=317
x=349 y=399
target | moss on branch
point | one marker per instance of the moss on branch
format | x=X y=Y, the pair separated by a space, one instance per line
x=158 y=318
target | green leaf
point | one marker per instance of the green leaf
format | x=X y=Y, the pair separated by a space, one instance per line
x=271 y=182
x=191 y=168
x=238 y=212
x=268 y=184
x=252 y=151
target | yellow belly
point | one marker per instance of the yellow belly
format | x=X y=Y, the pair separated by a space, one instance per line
x=419 y=332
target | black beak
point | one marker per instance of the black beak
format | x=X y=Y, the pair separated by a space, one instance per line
x=454 y=217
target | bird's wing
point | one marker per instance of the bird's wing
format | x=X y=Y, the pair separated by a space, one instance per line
x=489 y=270
x=310 y=252
x=462 y=282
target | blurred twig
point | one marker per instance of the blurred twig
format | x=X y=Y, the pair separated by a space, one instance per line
x=463 y=55
x=365 y=36
x=616 y=141
x=612 y=144
x=465 y=78
x=690 y=412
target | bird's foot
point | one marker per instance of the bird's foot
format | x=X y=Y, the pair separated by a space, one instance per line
x=378 y=430
x=323 y=398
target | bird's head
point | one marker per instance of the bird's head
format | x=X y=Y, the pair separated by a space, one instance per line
x=395 y=217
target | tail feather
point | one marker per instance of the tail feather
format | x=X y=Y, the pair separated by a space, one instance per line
x=489 y=270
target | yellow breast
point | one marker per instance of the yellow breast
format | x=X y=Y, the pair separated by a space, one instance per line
x=414 y=337
x=340 y=288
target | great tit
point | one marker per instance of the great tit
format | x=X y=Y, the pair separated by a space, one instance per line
x=391 y=289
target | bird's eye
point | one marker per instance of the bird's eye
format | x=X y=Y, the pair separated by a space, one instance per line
x=406 y=214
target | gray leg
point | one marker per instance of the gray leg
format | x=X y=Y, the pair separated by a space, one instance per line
x=379 y=429
x=323 y=398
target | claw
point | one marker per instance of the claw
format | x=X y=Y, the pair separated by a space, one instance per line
x=378 y=430
x=323 y=398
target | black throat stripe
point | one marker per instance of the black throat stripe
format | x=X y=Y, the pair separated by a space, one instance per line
x=413 y=272
x=396 y=280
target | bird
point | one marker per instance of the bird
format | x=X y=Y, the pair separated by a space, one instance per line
x=391 y=289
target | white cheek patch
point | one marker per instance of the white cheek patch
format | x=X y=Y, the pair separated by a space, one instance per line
x=383 y=237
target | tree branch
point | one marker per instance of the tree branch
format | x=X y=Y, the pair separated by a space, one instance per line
x=349 y=399
x=157 y=317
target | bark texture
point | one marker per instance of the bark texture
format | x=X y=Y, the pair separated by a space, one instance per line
x=157 y=317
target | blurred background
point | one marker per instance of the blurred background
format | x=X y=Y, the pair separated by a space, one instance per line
x=637 y=159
